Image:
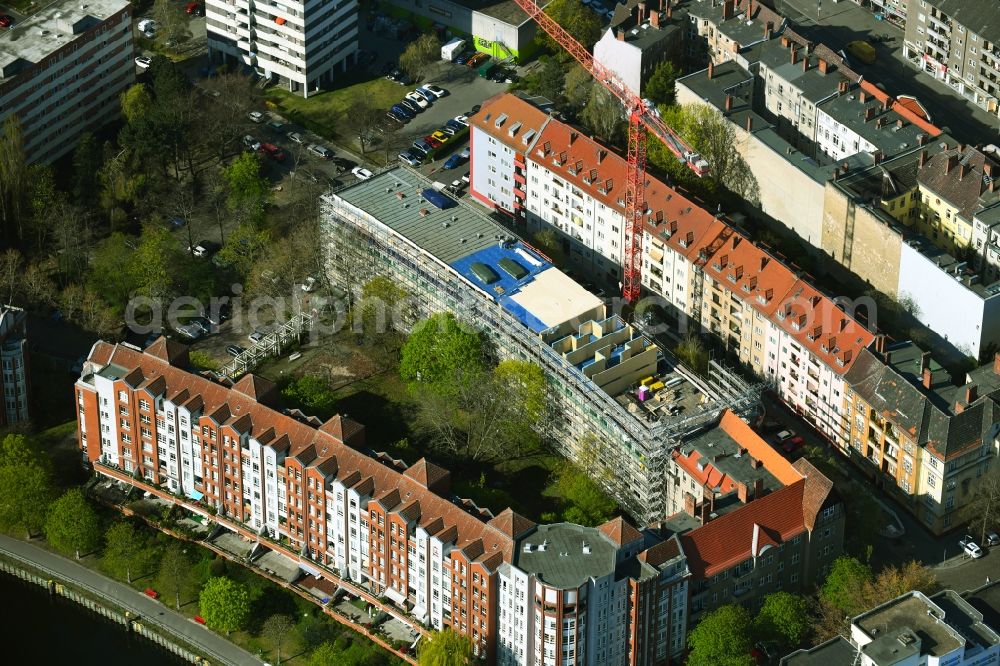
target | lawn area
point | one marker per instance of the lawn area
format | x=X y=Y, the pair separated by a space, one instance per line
x=322 y=113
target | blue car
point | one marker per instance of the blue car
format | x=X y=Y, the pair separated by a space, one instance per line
x=403 y=111
x=422 y=145
x=453 y=161
x=455 y=125
x=397 y=116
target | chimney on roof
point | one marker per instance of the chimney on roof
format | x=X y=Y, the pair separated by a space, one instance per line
x=869 y=113
x=795 y=55
x=996 y=363
x=805 y=63
x=736 y=47
x=669 y=13
x=880 y=343
x=758 y=487
x=863 y=96
x=768 y=27
x=923 y=158
x=755 y=463
x=729 y=102
x=601 y=153
x=841 y=87
x=961 y=148
x=742 y=493
x=785 y=42
x=640 y=12
x=921 y=139
x=886 y=103
x=927 y=378
x=654 y=19
x=963 y=171
x=823 y=65
x=988 y=169
x=925 y=361
x=959 y=407
x=971 y=393
x=621 y=34
x=706 y=511
x=749 y=9
x=727 y=9
x=711 y=69
x=572 y=137
x=749 y=123
x=950 y=164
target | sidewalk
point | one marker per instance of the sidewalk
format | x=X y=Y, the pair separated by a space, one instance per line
x=151 y=611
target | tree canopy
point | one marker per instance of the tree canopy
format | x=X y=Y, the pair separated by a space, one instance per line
x=660 y=85
x=784 y=617
x=440 y=352
x=25 y=486
x=276 y=629
x=844 y=587
x=585 y=502
x=419 y=54
x=721 y=638
x=225 y=604
x=576 y=19
x=174 y=574
x=125 y=550
x=72 y=525
x=445 y=648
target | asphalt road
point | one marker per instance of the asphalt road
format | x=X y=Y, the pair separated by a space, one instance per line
x=149 y=610
x=845 y=21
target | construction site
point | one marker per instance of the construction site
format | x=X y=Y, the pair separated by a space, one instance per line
x=623 y=403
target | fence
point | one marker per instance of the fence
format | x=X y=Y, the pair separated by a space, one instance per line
x=131 y=619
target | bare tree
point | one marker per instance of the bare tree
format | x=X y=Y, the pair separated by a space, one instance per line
x=362 y=120
x=985 y=506
x=14 y=185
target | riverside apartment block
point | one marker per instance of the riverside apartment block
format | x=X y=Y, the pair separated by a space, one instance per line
x=525 y=594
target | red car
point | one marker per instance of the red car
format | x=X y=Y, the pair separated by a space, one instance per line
x=193 y=8
x=276 y=153
x=6 y=20
x=433 y=142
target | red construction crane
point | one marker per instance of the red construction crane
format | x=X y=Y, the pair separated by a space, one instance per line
x=642 y=116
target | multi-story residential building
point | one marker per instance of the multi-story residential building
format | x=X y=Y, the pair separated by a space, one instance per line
x=302 y=45
x=921 y=434
x=62 y=71
x=608 y=384
x=720 y=29
x=955 y=41
x=722 y=469
x=945 y=628
x=785 y=540
x=636 y=43
x=701 y=267
x=894 y=11
x=14 y=363
x=955 y=185
x=524 y=594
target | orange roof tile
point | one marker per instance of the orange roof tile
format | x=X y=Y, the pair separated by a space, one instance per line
x=527 y=118
x=620 y=531
x=773 y=462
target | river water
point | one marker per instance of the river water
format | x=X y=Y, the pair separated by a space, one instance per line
x=43 y=629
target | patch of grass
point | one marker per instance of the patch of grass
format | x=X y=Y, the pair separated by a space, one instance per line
x=323 y=112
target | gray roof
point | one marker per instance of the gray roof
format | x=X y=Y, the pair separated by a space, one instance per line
x=849 y=111
x=913 y=614
x=978 y=16
x=447 y=234
x=737 y=27
x=505 y=10
x=965 y=618
x=986 y=600
x=928 y=417
x=51 y=28
x=719 y=449
x=563 y=563
x=835 y=652
x=646 y=35
x=815 y=85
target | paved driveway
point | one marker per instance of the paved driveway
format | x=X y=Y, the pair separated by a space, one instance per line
x=151 y=611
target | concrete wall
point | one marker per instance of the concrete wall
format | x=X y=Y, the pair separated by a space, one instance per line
x=859 y=238
x=620 y=57
x=948 y=307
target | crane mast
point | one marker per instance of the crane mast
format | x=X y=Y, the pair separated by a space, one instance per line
x=642 y=118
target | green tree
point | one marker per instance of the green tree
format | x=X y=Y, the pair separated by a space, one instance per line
x=441 y=351
x=844 y=587
x=603 y=113
x=225 y=604
x=578 y=86
x=25 y=486
x=136 y=103
x=585 y=502
x=174 y=574
x=691 y=351
x=247 y=187
x=276 y=630
x=72 y=524
x=721 y=638
x=110 y=270
x=310 y=393
x=125 y=550
x=549 y=81
x=660 y=85
x=576 y=19
x=714 y=137
x=784 y=617
x=153 y=268
x=245 y=245
x=14 y=185
x=86 y=167
x=445 y=648
x=419 y=54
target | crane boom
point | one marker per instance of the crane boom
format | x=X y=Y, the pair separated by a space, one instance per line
x=643 y=118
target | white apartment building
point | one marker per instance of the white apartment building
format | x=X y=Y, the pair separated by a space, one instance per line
x=62 y=71
x=301 y=44
x=634 y=46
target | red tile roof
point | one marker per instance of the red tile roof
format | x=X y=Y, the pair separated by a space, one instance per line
x=528 y=119
x=726 y=541
x=909 y=108
x=620 y=531
x=314 y=446
x=774 y=462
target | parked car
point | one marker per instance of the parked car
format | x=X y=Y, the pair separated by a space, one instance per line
x=143 y=61
x=433 y=141
x=455 y=125
x=235 y=350
x=145 y=25
x=465 y=152
x=205 y=249
x=394 y=75
x=474 y=110
x=992 y=539
x=465 y=178
x=410 y=106
x=417 y=152
x=256 y=116
x=361 y=173
x=462 y=120
x=426 y=94
x=276 y=126
x=972 y=550
x=190 y=331
x=273 y=151
x=251 y=143
x=450 y=131
x=398 y=117
x=6 y=20
x=295 y=137
x=403 y=111
x=202 y=323
x=257 y=336
x=453 y=161
x=441 y=136
x=410 y=158
x=321 y=151
x=784 y=435
x=436 y=90
x=418 y=99
x=862 y=50
x=309 y=285
x=423 y=146
x=194 y=9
